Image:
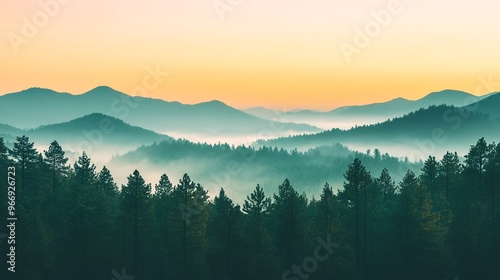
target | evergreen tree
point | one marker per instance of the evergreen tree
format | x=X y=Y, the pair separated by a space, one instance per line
x=26 y=158
x=330 y=224
x=472 y=214
x=189 y=243
x=420 y=238
x=137 y=218
x=261 y=263
x=429 y=177
x=106 y=182
x=475 y=162
x=355 y=197
x=164 y=186
x=84 y=177
x=386 y=185
x=384 y=198
x=226 y=231
x=288 y=214
x=164 y=212
x=449 y=172
x=56 y=161
x=82 y=216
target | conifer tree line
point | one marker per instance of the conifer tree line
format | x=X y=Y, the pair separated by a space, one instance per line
x=74 y=222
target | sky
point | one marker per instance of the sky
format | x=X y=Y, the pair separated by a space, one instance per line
x=282 y=54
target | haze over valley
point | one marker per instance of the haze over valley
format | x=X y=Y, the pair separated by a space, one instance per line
x=124 y=133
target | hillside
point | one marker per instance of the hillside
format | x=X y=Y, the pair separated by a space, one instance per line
x=238 y=169
x=350 y=116
x=212 y=118
x=426 y=131
x=97 y=134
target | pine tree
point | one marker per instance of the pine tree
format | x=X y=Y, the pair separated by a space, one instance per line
x=449 y=172
x=137 y=217
x=26 y=158
x=164 y=186
x=475 y=162
x=105 y=213
x=261 y=263
x=81 y=209
x=84 y=177
x=56 y=160
x=473 y=211
x=164 y=213
x=288 y=213
x=384 y=198
x=189 y=243
x=355 y=197
x=429 y=176
x=106 y=182
x=330 y=224
x=386 y=185
x=30 y=210
x=226 y=231
x=420 y=238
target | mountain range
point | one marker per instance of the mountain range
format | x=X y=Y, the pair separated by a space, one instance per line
x=97 y=134
x=350 y=116
x=36 y=106
x=83 y=122
x=433 y=130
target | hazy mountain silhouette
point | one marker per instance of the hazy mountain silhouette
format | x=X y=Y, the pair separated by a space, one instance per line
x=208 y=118
x=349 y=116
x=7 y=131
x=489 y=105
x=426 y=131
x=95 y=133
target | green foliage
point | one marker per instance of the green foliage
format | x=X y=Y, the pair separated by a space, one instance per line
x=75 y=223
x=423 y=254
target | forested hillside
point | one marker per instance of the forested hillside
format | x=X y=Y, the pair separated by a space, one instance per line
x=74 y=222
x=239 y=168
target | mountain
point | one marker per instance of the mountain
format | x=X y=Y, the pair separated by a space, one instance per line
x=97 y=134
x=426 y=131
x=489 y=105
x=7 y=132
x=263 y=113
x=212 y=118
x=350 y=116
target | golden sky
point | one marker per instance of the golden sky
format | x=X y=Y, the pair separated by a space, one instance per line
x=285 y=54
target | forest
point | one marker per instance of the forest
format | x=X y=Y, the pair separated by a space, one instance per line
x=75 y=222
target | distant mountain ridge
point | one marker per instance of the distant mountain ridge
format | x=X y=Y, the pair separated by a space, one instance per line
x=95 y=133
x=349 y=116
x=43 y=106
x=425 y=131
